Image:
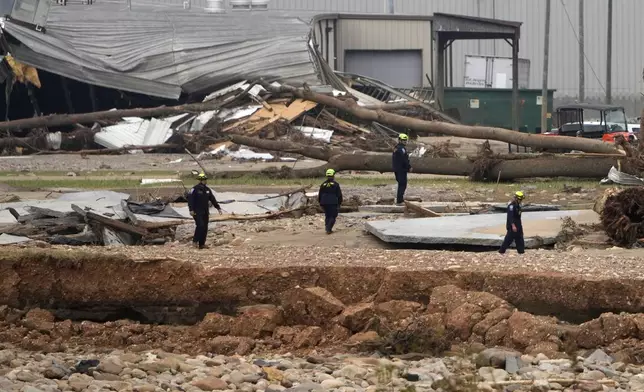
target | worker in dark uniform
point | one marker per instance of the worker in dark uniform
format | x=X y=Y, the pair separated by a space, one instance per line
x=401 y=166
x=330 y=199
x=513 y=225
x=199 y=199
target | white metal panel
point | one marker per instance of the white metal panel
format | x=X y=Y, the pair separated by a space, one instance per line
x=475 y=72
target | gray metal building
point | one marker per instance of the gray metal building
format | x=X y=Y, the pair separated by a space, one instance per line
x=627 y=63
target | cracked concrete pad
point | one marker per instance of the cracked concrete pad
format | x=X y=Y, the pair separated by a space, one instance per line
x=541 y=228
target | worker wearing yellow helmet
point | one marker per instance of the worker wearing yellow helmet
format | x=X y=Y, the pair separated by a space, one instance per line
x=401 y=166
x=513 y=225
x=199 y=199
x=330 y=199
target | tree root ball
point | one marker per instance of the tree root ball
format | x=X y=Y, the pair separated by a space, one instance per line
x=623 y=216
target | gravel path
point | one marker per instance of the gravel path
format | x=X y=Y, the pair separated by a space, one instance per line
x=595 y=264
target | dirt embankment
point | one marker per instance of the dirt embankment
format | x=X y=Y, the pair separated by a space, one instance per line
x=237 y=310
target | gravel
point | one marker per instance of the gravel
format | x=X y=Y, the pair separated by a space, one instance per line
x=160 y=371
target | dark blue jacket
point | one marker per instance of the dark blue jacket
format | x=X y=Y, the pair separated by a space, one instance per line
x=330 y=193
x=400 y=159
x=514 y=216
x=199 y=199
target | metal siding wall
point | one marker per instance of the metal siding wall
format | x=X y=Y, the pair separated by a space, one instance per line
x=564 y=68
x=364 y=34
x=356 y=6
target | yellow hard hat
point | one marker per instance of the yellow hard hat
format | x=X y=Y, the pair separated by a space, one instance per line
x=403 y=136
x=202 y=176
x=330 y=172
x=519 y=195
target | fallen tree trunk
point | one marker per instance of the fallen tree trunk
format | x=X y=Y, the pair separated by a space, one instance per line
x=438 y=127
x=56 y=120
x=594 y=166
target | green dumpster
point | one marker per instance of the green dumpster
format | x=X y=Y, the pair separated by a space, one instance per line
x=493 y=107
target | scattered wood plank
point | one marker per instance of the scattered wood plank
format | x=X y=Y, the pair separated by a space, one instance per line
x=420 y=210
x=115 y=224
x=271 y=215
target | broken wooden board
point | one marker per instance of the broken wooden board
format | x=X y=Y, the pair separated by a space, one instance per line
x=422 y=211
x=264 y=117
x=115 y=224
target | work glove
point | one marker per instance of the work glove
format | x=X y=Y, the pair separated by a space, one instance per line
x=192 y=213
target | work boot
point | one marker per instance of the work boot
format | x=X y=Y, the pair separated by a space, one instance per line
x=195 y=245
x=204 y=247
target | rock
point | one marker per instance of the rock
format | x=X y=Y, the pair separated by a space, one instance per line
x=287 y=334
x=309 y=337
x=26 y=376
x=397 y=310
x=306 y=387
x=617 y=327
x=495 y=357
x=490 y=320
x=590 y=334
x=527 y=330
x=210 y=384
x=599 y=357
x=155 y=366
x=79 y=382
x=310 y=306
x=228 y=345
x=56 y=371
x=540 y=386
x=28 y=388
x=138 y=373
x=463 y=318
x=236 y=377
x=636 y=383
x=40 y=320
x=215 y=324
x=257 y=321
x=105 y=376
x=447 y=298
x=496 y=335
x=351 y=372
x=6 y=356
x=594 y=375
x=549 y=349
x=369 y=337
x=145 y=388
x=486 y=373
x=513 y=364
x=590 y=387
x=111 y=365
x=500 y=375
x=331 y=384
x=273 y=374
x=356 y=317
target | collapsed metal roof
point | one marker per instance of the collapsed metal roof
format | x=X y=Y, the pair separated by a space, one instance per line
x=164 y=51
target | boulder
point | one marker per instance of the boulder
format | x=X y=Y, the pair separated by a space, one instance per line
x=590 y=334
x=495 y=357
x=397 y=310
x=527 y=330
x=461 y=320
x=308 y=337
x=497 y=334
x=617 y=326
x=229 y=345
x=210 y=384
x=215 y=324
x=257 y=321
x=356 y=317
x=491 y=319
x=310 y=306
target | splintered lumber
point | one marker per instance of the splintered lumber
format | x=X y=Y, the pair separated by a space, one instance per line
x=438 y=127
x=420 y=210
x=115 y=224
x=56 y=120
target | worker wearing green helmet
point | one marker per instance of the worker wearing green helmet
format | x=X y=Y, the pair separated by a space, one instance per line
x=199 y=199
x=401 y=166
x=513 y=225
x=330 y=199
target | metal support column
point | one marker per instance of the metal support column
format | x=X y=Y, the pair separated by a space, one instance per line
x=440 y=69
x=515 y=83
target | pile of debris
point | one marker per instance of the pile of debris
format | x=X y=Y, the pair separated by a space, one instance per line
x=113 y=219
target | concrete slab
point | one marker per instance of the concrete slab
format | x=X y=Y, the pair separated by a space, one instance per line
x=541 y=228
x=447 y=207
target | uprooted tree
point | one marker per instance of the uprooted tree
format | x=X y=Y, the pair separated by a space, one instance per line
x=541 y=142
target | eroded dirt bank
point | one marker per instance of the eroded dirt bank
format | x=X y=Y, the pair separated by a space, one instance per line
x=546 y=283
x=216 y=308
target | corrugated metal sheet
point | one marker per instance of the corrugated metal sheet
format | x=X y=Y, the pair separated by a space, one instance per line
x=160 y=51
x=354 y=6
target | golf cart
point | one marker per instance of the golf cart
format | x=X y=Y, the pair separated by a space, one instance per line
x=592 y=121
